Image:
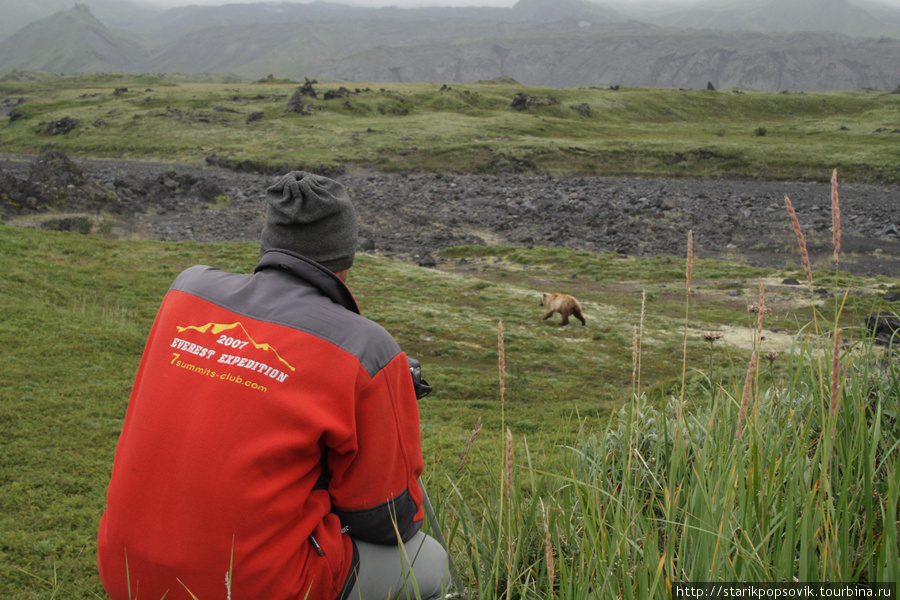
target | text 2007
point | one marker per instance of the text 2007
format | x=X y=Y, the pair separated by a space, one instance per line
x=231 y=342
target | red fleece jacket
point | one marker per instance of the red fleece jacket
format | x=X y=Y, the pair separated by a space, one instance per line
x=266 y=415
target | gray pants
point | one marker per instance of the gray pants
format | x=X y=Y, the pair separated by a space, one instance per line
x=418 y=569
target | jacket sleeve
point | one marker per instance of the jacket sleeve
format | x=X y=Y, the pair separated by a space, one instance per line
x=374 y=481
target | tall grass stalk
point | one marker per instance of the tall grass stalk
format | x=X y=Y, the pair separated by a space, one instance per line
x=752 y=371
x=804 y=255
x=688 y=491
x=687 y=309
x=801 y=241
x=835 y=217
x=637 y=336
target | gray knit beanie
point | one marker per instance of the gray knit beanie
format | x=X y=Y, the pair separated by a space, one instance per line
x=313 y=216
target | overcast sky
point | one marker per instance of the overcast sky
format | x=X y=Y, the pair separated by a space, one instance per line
x=418 y=3
x=405 y=3
x=400 y=3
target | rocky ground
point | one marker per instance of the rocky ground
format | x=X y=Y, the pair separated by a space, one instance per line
x=415 y=216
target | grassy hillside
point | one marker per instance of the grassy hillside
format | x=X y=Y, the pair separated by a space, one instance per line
x=467 y=128
x=77 y=309
x=640 y=452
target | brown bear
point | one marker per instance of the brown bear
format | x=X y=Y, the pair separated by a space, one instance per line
x=564 y=304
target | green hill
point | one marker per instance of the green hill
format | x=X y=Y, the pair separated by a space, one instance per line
x=470 y=128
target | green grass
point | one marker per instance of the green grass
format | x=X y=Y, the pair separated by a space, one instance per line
x=630 y=468
x=655 y=500
x=468 y=128
x=794 y=479
x=77 y=309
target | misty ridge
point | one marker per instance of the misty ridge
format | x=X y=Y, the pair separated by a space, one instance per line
x=767 y=45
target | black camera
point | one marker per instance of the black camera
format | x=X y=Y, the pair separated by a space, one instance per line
x=421 y=386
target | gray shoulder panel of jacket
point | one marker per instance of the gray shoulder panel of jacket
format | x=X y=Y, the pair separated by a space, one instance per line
x=276 y=297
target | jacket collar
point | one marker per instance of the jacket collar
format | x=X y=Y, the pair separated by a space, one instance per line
x=311 y=272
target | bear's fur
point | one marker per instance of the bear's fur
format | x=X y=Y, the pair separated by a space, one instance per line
x=564 y=304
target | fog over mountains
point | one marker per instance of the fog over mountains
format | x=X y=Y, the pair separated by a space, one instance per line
x=773 y=45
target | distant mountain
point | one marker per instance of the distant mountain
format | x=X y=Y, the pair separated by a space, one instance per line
x=294 y=50
x=72 y=41
x=179 y=22
x=557 y=10
x=863 y=18
x=118 y=14
x=879 y=10
x=537 y=42
x=839 y=16
x=785 y=16
x=184 y=20
x=636 y=55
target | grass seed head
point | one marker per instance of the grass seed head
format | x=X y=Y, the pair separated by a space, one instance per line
x=711 y=336
x=470 y=441
x=690 y=259
x=634 y=354
x=804 y=253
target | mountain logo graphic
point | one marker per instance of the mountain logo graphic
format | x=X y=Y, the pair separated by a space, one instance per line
x=218 y=328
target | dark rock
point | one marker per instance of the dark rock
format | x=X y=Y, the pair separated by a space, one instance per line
x=582 y=109
x=297 y=105
x=60 y=127
x=668 y=204
x=207 y=190
x=81 y=225
x=52 y=182
x=400 y=214
x=7 y=105
x=427 y=261
x=883 y=325
x=307 y=89
x=341 y=92
x=524 y=101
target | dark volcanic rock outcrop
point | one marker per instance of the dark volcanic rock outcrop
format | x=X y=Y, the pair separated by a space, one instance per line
x=418 y=215
x=53 y=183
